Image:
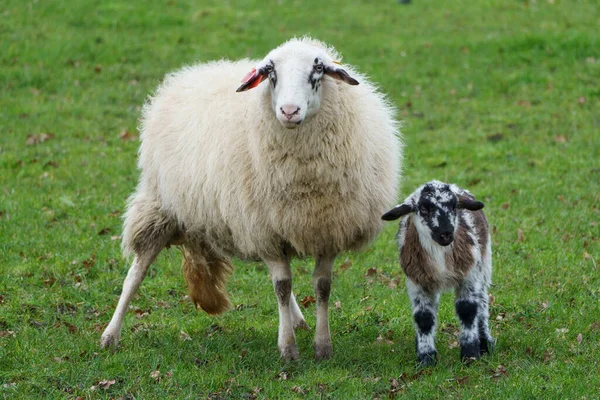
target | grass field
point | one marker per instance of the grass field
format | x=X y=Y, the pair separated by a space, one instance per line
x=499 y=96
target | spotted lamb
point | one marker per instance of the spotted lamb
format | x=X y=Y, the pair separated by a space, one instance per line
x=444 y=243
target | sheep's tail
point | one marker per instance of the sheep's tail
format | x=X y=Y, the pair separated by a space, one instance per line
x=206 y=277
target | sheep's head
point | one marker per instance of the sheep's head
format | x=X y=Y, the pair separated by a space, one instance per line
x=295 y=71
x=435 y=206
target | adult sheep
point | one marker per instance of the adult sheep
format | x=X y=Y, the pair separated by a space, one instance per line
x=303 y=166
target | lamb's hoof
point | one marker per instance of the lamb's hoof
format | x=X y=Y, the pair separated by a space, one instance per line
x=486 y=346
x=323 y=351
x=427 y=359
x=469 y=352
x=290 y=352
x=301 y=325
x=109 y=340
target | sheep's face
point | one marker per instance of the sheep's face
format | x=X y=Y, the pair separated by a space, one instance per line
x=436 y=206
x=295 y=72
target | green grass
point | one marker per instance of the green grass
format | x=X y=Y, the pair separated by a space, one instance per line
x=500 y=96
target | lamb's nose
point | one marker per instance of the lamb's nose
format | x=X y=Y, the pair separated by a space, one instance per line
x=289 y=110
x=446 y=236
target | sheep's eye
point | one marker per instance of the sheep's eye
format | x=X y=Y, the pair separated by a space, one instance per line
x=423 y=210
x=318 y=68
x=269 y=68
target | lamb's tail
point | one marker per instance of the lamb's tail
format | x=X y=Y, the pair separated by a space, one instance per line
x=206 y=277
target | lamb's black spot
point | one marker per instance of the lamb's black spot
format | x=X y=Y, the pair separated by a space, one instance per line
x=425 y=321
x=466 y=311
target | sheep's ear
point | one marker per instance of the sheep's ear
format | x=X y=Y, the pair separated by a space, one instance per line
x=469 y=203
x=340 y=75
x=252 y=79
x=397 y=212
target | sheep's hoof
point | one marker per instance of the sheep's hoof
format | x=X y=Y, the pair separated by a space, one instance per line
x=301 y=325
x=323 y=351
x=109 y=340
x=470 y=352
x=290 y=352
x=427 y=359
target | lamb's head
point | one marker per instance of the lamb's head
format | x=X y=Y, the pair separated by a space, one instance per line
x=295 y=71
x=435 y=206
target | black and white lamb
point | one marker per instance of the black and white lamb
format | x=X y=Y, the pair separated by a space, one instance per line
x=444 y=243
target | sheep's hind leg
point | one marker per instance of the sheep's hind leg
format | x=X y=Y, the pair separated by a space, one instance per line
x=147 y=230
x=298 y=320
x=135 y=276
x=425 y=306
x=322 y=286
x=281 y=275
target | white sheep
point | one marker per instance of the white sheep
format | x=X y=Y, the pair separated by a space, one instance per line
x=444 y=243
x=301 y=166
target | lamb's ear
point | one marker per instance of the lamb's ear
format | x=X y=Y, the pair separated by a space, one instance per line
x=469 y=203
x=252 y=79
x=397 y=212
x=339 y=74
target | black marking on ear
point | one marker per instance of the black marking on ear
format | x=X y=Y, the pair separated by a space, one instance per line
x=425 y=321
x=397 y=212
x=466 y=311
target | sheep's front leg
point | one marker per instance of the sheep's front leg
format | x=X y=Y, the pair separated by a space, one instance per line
x=281 y=275
x=322 y=287
x=469 y=308
x=425 y=306
x=135 y=276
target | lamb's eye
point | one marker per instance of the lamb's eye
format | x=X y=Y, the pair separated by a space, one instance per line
x=269 y=68
x=423 y=210
x=319 y=68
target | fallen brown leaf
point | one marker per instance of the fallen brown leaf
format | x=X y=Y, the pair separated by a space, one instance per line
x=184 y=336
x=127 y=136
x=345 y=265
x=560 y=139
x=155 y=375
x=106 y=384
x=40 y=138
x=520 y=236
x=579 y=338
x=307 y=301
x=371 y=271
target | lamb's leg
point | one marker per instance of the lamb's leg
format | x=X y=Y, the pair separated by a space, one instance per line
x=486 y=342
x=281 y=276
x=298 y=320
x=468 y=308
x=425 y=306
x=135 y=276
x=322 y=286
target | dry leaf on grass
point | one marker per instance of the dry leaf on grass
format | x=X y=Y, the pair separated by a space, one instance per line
x=307 y=301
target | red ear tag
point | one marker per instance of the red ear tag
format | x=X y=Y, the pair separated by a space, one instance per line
x=248 y=77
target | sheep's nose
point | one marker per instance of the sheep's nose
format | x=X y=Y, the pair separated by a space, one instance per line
x=289 y=110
